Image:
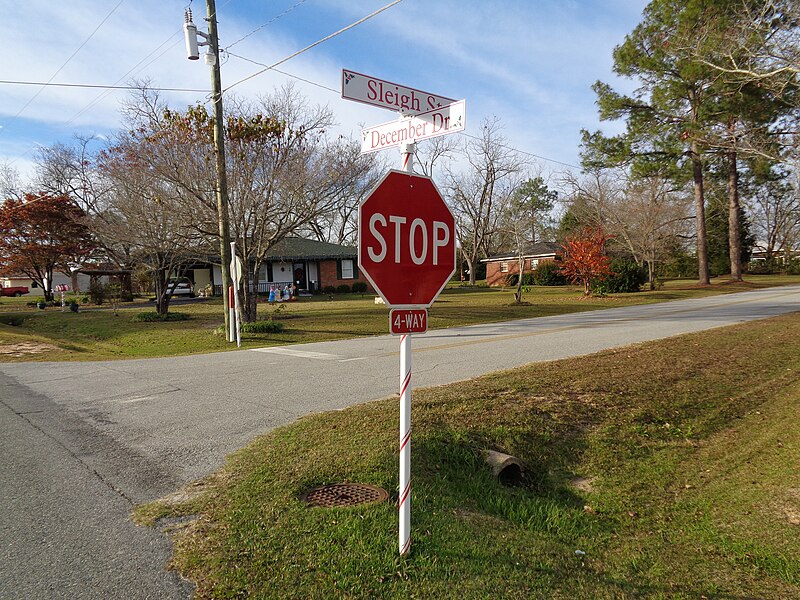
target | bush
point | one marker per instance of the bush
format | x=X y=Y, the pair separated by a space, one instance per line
x=359 y=287
x=548 y=273
x=154 y=317
x=97 y=292
x=343 y=289
x=679 y=265
x=792 y=267
x=329 y=289
x=264 y=326
x=627 y=277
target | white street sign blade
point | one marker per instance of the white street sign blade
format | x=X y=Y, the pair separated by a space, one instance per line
x=378 y=92
x=441 y=121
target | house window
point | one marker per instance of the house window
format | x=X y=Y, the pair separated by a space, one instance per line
x=534 y=263
x=347 y=268
x=504 y=267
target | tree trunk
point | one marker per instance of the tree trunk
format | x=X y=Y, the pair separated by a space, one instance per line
x=651 y=275
x=518 y=293
x=162 y=298
x=734 y=225
x=471 y=267
x=700 y=216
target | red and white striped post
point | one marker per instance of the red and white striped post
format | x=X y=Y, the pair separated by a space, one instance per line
x=232 y=313
x=404 y=509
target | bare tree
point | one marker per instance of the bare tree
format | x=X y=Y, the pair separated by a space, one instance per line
x=71 y=170
x=479 y=193
x=284 y=173
x=429 y=153
x=339 y=226
x=144 y=218
x=774 y=203
x=10 y=183
x=644 y=215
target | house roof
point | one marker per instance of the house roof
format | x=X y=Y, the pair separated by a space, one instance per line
x=537 y=250
x=291 y=248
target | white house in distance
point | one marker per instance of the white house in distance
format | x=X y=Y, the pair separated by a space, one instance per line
x=78 y=282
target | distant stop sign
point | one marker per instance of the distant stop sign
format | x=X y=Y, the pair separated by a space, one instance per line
x=406 y=240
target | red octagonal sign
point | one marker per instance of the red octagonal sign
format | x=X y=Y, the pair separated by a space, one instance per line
x=406 y=240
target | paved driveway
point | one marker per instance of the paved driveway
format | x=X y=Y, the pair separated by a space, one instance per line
x=81 y=443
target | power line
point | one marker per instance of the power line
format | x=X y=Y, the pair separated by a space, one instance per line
x=137 y=69
x=100 y=86
x=552 y=160
x=86 y=41
x=255 y=62
x=272 y=20
x=317 y=43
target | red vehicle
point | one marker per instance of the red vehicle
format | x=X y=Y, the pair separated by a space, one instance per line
x=14 y=291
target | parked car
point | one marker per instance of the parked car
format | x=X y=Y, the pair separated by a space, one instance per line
x=15 y=291
x=180 y=286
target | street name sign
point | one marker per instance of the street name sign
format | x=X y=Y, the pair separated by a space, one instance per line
x=406 y=240
x=409 y=320
x=378 y=92
x=440 y=121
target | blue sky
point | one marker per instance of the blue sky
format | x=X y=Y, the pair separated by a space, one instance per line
x=529 y=63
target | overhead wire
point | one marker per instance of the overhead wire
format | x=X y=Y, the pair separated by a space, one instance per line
x=100 y=86
x=317 y=43
x=255 y=62
x=71 y=56
x=272 y=20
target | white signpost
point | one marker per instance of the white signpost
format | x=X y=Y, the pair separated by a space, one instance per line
x=440 y=121
x=236 y=276
x=422 y=115
x=378 y=92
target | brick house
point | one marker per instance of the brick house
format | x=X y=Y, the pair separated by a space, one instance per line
x=310 y=264
x=500 y=266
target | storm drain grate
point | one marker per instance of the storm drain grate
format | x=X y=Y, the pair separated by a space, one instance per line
x=345 y=494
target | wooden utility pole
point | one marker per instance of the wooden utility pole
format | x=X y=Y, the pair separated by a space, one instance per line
x=219 y=154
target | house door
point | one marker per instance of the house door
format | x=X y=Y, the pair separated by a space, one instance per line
x=300 y=279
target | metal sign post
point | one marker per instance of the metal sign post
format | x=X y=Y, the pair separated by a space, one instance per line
x=236 y=275
x=407 y=165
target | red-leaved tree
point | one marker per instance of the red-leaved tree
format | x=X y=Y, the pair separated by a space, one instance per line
x=40 y=233
x=585 y=258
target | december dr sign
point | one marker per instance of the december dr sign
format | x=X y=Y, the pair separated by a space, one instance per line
x=440 y=121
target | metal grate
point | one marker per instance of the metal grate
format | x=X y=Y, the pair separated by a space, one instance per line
x=345 y=494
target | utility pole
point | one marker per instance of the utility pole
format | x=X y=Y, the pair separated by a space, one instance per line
x=212 y=59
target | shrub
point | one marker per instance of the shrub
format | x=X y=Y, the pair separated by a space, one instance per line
x=343 y=289
x=626 y=277
x=359 y=287
x=97 y=292
x=154 y=317
x=329 y=289
x=679 y=264
x=263 y=326
x=793 y=267
x=548 y=273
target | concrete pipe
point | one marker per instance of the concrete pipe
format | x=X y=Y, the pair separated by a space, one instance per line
x=507 y=468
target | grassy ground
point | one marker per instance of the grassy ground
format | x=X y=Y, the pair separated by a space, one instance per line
x=30 y=334
x=665 y=470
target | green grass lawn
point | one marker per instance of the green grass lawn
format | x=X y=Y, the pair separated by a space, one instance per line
x=30 y=334
x=662 y=470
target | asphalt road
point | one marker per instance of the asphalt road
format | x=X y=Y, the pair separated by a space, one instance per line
x=82 y=443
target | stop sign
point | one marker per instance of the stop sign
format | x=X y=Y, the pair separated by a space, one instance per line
x=406 y=240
